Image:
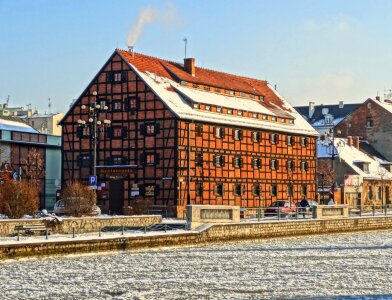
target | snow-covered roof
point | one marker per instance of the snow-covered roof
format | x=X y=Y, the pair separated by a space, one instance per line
x=353 y=157
x=174 y=95
x=16 y=126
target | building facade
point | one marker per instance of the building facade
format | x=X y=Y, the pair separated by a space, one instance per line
x=45 y=123
x=372 y=121
x=185 y=135
x=16 y=140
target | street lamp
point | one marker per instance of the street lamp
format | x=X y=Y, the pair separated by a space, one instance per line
x=94 y=123
x=328 y=140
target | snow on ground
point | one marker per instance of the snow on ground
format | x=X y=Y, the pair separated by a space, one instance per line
x=325 y=266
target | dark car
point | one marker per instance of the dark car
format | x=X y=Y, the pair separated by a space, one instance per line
x=286 y=207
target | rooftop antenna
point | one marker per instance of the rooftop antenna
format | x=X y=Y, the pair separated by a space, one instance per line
x=49 y=106
x=29 y=106
x=8 y=100
x=186 y=43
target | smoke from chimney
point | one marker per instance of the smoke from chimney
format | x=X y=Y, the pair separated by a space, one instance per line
x=150 y=15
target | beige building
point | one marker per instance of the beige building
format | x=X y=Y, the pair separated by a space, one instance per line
x=45 y=123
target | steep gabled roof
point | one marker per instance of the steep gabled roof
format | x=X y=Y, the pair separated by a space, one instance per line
x=338 y=112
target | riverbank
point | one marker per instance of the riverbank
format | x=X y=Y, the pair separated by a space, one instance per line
x=206 y=234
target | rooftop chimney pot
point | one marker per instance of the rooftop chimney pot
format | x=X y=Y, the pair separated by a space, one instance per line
x=341 y=104
x=356 y=141
x=350 y=141
x=189 y=66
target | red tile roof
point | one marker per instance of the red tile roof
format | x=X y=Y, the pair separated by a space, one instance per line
x=176 y=72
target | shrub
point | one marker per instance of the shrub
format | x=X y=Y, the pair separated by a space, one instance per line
x=78 y=199
x=140 y=206
x=18 y=198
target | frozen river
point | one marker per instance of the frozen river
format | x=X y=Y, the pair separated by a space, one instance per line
x=326 y=267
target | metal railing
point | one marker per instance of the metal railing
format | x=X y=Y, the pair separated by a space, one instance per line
x=370 y=210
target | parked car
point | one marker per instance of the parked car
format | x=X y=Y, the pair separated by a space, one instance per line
x=286 y=208
x=59 y=208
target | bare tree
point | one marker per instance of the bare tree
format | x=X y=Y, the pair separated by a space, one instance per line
x=18 y=198
x=34 y=167
x=78 y=199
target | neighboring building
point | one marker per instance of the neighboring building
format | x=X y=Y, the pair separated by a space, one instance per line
x=16 y=139
x=7 y=111
x=372 y=121
x=324 y=117
x=362 y=174
x=45 y=123
x=182 y=134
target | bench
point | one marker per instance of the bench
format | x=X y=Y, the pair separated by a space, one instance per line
x=31 y=229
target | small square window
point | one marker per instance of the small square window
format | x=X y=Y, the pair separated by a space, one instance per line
x=218 y=90
x=218 y=189
x=264 y=117
x=117 y=77
x=133 y=103
x=237 y=134
x=256 y=190
x=274 y=138
x=274 y=190
x=274 y=164
x=196 y=105
x=219 y=132
x=242 y=94
x=283 y=120
x=117 y=105
x=219 y=161
x=231 y=92
x=208 y=107
x=290 y=140
x=219 y=109
x=273 y=118
x=256 y=136
x=199 y=129
x=199 y=188
x=255 y=115
x=150 y=128
x=290 y=190
x=199 y=159
x=239 y=112
x=229 y=111
x=304 y=166
x=261 y=98
x=256 y=163
x=150 y=158
x=237 y=162
x=304 y=190
x=238 y=189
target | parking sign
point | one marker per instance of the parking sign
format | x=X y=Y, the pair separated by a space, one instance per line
x=92 y=180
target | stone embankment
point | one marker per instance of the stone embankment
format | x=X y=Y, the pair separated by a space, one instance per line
x=205 y=235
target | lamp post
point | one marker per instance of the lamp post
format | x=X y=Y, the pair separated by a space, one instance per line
x=94 y=123
x=329 y=141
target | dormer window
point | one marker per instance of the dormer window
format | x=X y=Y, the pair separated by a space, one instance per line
x=364 y=166
x=387 y=166
x=328 y=119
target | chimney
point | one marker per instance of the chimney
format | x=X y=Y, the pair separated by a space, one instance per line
x=350 y=141
x=341 y=104
x=130 y=48
x=378 y=98
x=356 y=141
x=189 y=65
x=311 y=109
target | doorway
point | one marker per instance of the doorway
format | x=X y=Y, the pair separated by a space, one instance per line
x=116 y=196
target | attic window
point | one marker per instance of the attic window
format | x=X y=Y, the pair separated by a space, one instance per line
x=364 y=166
x=274 y=118
x=369 y=122
x=219 y=109
x=229 y=111
x=208 y=107
x=240 y=113
x=196 y=105
x=242 y=94
x=283 y=120
x=264 y=117
x=218 y=90
x=231 y=92
x=261 y=98
x=207 y=88
x=328 y=119
x=291 y=121
x=183 y=83
x=254 y=115
x=251 y=96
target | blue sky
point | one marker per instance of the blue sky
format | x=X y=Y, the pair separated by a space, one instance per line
x=323 y=51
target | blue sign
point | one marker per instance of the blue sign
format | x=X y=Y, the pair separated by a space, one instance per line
x=15 y=176
x=92 y=180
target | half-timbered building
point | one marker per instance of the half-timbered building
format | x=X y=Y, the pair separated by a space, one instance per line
x=181 y=135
